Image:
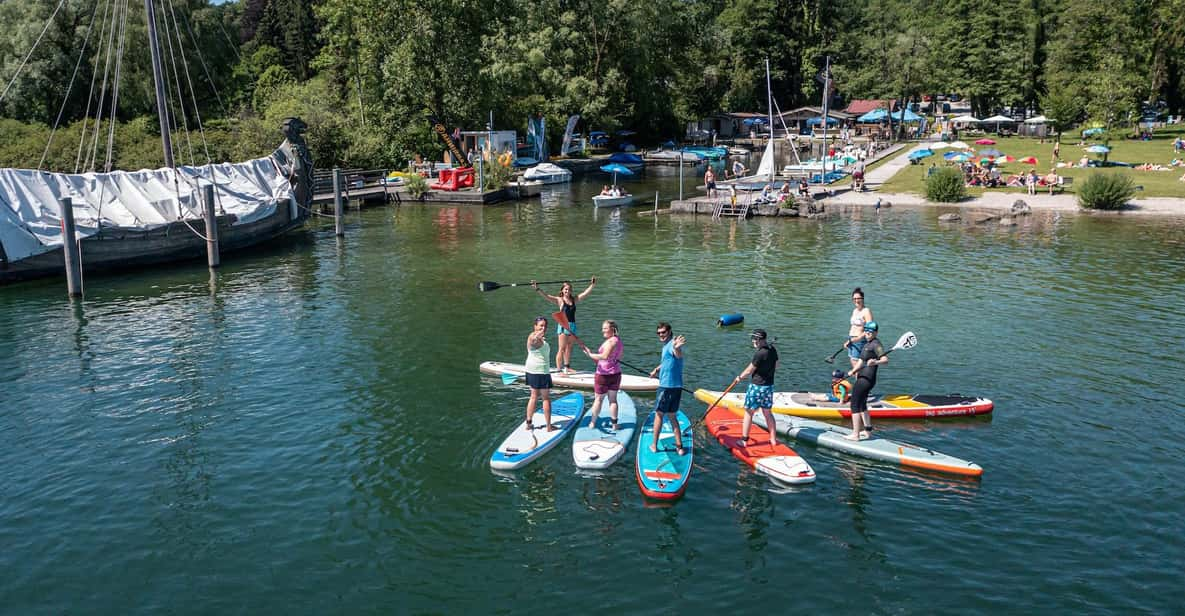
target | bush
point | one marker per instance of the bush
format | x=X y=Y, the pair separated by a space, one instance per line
x=946 y=186
x=416 y=185
x=1106 y=191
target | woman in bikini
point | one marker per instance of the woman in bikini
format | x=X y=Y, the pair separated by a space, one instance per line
x=861 y=314
x=567 y=304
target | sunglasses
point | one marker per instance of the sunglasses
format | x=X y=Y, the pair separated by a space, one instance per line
x=663 y=332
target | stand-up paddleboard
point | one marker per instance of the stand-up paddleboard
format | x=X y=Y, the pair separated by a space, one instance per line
x=778 y=462
x=832 y=437
x=575 y=379
x=889 y=406
x=524 y=445
x=663 y=474
x=600 y=447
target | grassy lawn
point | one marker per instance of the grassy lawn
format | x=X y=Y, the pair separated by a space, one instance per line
x=1156 y=183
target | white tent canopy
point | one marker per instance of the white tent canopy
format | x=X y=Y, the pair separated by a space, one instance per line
x=965 y=119
x=1037 y=120
x=997 y=119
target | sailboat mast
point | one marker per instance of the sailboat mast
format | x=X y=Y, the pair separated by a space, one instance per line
x=162 y=111
x=770 y=94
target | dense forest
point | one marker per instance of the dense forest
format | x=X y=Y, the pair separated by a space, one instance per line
x=365 y=74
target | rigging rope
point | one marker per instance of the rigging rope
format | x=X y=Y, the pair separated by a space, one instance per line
x=198 y=49
x=123 y=25
x=31 y=50
x=90 y=93
x=66 y=97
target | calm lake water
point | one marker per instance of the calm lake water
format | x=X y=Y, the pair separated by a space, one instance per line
x=307 y=432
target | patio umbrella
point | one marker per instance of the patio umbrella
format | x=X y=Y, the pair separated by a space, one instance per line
x=1098 y=149
x=957 y=157
x=938 y=145
x=959 y=145
x=985 y=142
x=920 y=154
x=1029 y=160
x=993 y=152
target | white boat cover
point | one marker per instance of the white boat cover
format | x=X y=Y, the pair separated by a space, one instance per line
x=30 y=220
x=545 y=170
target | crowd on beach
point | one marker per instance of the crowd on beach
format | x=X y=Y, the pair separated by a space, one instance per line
x=864 y=350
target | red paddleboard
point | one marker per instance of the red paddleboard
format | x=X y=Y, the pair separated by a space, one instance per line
x=778 y=462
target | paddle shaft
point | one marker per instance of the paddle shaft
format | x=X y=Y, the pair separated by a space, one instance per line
x=713 y=405
x=490 y=286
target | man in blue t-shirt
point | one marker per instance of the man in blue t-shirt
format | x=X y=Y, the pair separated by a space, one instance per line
x=670 y=385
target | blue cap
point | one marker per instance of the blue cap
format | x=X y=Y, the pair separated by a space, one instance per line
x=871 y=326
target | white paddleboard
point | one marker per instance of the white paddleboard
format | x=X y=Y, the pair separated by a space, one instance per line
x=575 y=379
x=524 y=444
x=600 y=447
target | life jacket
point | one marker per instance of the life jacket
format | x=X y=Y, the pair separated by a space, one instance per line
x=841 y=391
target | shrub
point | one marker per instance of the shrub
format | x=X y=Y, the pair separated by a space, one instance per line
x=1106 y=191
x=416 y=185
x=497 y=171
x=946 y=186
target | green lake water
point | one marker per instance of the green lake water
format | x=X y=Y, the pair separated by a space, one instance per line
x=307 y=432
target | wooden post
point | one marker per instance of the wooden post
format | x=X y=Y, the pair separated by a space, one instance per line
x=338 y=225
x=212 y=256
x=70 y=250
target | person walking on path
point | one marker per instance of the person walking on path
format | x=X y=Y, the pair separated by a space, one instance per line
x=670 y=385
x=607 y=380
x=538 y=372
x=872 y=356
x=861 y=315
x=760 y=394
x=1057 y=150
x=567 y=303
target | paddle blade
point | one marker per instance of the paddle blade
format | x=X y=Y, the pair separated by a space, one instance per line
x=508 y=378
x=561 y=320
x=486 y=285
x=907 y=341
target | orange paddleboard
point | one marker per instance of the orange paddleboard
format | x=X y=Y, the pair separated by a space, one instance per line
x=778 y=462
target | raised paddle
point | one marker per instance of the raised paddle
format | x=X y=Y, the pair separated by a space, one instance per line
x=907 y=341
x=487 y=285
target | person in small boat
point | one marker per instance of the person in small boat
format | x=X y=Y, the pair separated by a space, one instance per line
x=567 y=303
x=861 y=314
x=841 y=389
x=760 y=394
x=607 y=380
x=670 y=385
x=538 y=372
x=605 y=190
x=872 y=356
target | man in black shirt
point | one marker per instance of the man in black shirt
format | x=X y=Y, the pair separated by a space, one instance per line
x=872 y=356
x=760 y=395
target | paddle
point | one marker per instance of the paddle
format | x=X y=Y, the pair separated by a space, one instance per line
x=713 y=405
x=487 y=285
x=907 y=341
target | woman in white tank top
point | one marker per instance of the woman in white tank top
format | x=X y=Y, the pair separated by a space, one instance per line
x=861 y=314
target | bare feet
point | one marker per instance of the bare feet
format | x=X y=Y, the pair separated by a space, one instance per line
x=743 y=442
x=529 y=425
x=680 y=451
x=550 y=428
x=592 y=423
x=864 y=435
x=855 y=436
x=773 y=443
x=653 y=448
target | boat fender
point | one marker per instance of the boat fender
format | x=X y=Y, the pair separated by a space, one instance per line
x=725 y=320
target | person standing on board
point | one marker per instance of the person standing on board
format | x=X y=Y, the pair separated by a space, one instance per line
x=567 y=303
x=670 y=385
x=861 y=314
x=538 y=372
x=607 y=381
x=760 y=395
x=871 y=356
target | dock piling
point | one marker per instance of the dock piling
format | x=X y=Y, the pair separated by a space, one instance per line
x=212 y=256
x=338 y=224
x=70 y=250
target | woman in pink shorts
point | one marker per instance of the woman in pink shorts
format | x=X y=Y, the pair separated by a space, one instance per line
x=608 y=376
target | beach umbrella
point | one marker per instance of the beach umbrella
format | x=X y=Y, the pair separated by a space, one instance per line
x=1005 y=159
x=938 y=145
x=957 y=157
x=992 y=152
x=615 y=168
x=920 y=154
x=959 y=145
x=985 y=142
x=1098 y=149
x=1029 y=160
